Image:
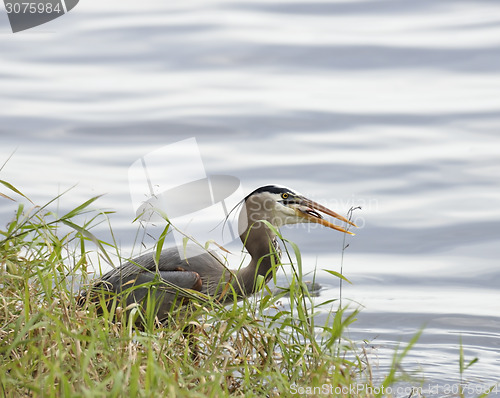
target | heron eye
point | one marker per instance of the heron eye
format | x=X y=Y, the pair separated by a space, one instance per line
x=284 y=195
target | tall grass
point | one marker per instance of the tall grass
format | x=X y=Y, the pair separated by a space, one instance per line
x=267 y=345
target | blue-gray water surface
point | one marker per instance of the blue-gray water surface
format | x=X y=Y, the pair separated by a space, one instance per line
x=393 y=106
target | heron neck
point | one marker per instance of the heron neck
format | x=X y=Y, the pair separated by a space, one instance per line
x=261 y=244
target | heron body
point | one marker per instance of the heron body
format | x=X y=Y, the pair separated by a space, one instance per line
x=203 y=271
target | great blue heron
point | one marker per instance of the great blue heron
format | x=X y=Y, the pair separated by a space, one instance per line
x=194 y=268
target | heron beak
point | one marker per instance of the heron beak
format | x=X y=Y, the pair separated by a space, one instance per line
x=309 y=209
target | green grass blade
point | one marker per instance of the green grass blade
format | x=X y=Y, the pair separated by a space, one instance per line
x=338 y=275
x=14 y=189
x=78 y=210
x=90 y=236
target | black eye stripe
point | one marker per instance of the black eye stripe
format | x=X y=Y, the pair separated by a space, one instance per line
x=287 y=201
x=287 y=198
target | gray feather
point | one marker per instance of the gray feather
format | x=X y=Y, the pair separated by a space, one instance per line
x=187 y=268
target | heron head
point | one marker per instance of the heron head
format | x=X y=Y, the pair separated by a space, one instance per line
x=281 y=206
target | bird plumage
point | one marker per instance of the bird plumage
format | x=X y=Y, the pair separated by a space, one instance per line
x=197 y=269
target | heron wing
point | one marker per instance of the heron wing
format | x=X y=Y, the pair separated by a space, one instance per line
x=143 y=269
x=159 y=286
x=186 y=268
x=178 y=277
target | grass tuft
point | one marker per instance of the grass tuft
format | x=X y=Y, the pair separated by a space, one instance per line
x=267 y=345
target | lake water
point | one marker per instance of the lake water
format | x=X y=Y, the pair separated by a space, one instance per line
x=393 y=106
